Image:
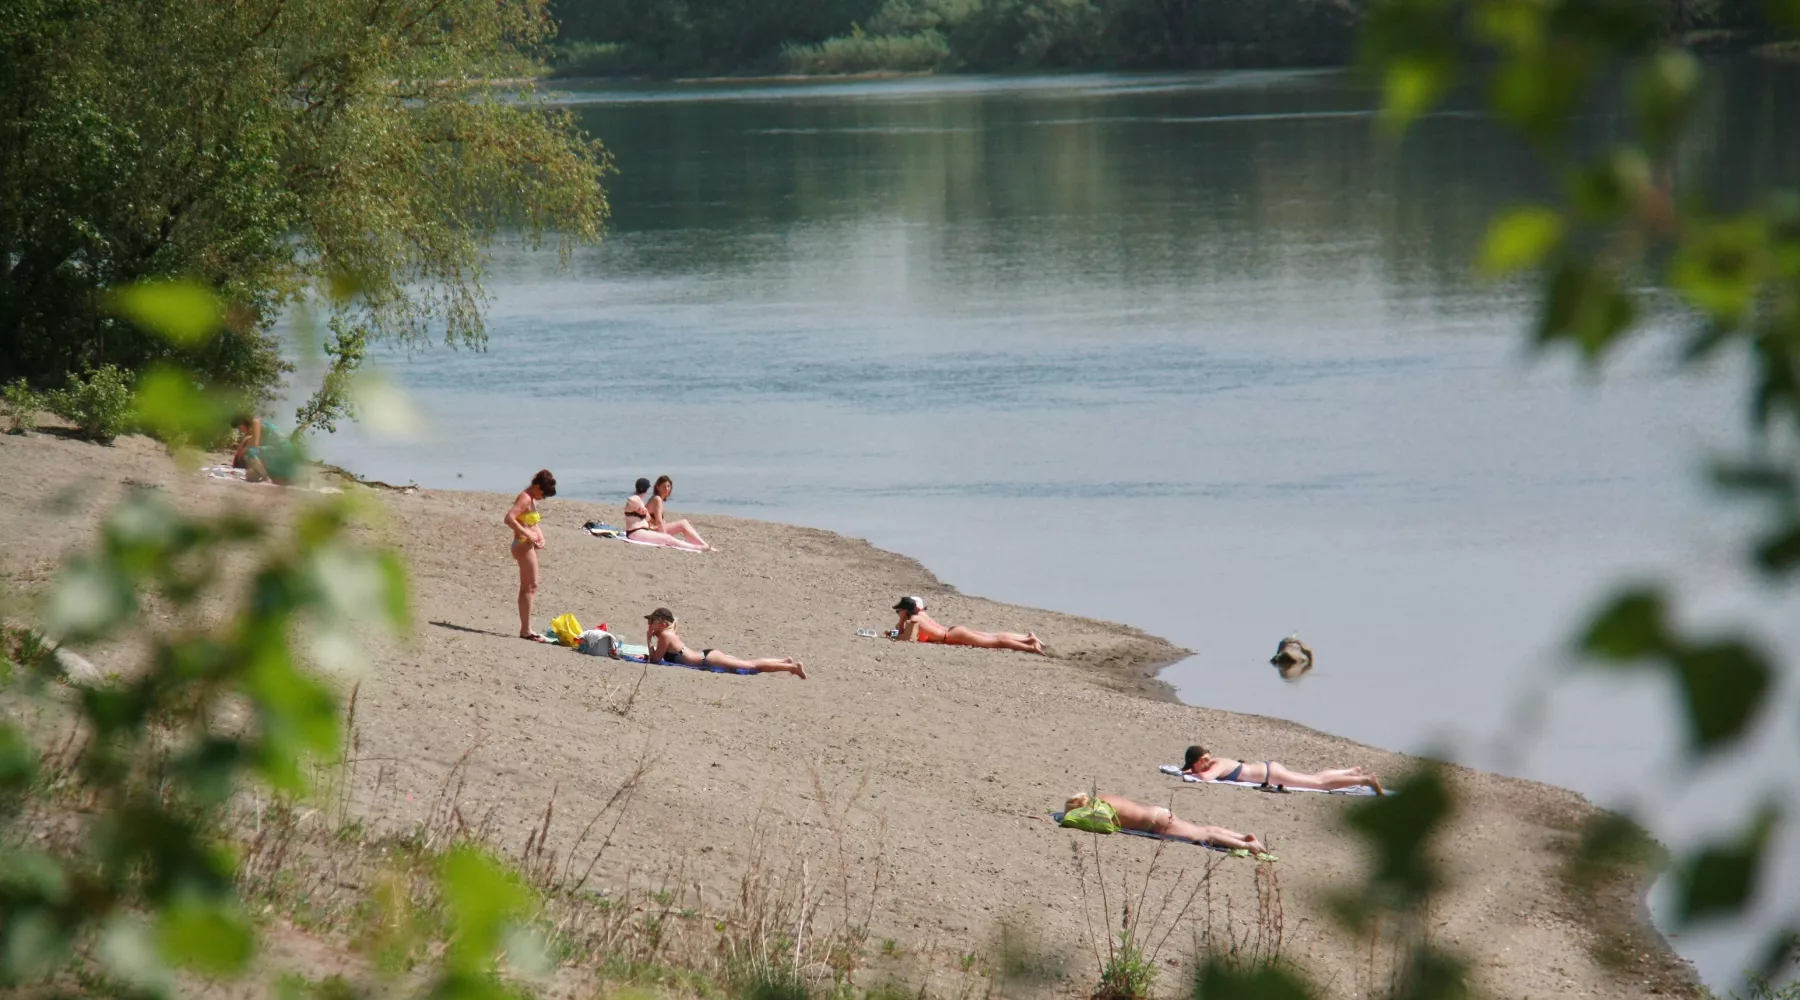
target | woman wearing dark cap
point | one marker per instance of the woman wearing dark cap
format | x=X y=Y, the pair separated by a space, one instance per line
x=523 y=517
x=666 y=646
x=917 y=626
x=1206 y=767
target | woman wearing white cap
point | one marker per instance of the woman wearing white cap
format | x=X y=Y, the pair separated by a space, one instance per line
x=917 y=626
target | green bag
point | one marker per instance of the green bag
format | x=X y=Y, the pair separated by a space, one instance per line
x=1097 y=816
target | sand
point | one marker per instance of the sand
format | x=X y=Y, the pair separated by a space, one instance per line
x=961 y=753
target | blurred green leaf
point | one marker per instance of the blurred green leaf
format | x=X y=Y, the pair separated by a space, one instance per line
x=396 y=595
x=1663 y=90
x=130 y=953
x=1608 y=842
x=175 y=409
x=31 y=943
x=1433 y=975
x=18 y=760
x=1785 y=14
x=1399 y=827
x=1720 y=270
x=1585 y=305
x=28 y=874
x=1217 y=980
x=1633 y=626
x=210 y=769
x=1521 y=239
x=1723 y=685
x=211 y=938
x=1720 y=878
x=1778 y=553
x=183 y=312
x=483 y=897
x=1412 y=85
x=1765 y=478
x=88 y=601
x=1611 y=187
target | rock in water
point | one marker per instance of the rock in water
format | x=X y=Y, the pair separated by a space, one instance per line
x=1292 y=658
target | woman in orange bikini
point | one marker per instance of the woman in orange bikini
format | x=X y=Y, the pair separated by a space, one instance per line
x=1157 y=820
x=917 y=626
x=523 y=517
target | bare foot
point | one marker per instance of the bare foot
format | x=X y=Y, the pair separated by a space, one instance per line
x=533 y=636
x=1375 y=783
x=799 y=670
x=1037 y=645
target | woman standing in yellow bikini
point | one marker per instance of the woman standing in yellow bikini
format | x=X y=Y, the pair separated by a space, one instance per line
x=523 y=517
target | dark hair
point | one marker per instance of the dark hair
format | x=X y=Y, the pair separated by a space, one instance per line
x=1193 y=754
x=664 y=479
x=545 y=481
x=643 y=485
x=240 y=419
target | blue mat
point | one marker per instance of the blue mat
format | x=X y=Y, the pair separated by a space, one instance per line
x=691 y=666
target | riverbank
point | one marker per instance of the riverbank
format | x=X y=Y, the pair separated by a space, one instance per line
x=915 y=781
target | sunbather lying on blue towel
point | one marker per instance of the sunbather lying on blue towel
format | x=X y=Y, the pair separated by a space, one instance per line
x=666 y=645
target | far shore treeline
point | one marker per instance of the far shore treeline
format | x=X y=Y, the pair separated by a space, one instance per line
x=675 y=37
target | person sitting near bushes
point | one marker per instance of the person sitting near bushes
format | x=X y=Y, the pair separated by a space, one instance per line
x=263 y=452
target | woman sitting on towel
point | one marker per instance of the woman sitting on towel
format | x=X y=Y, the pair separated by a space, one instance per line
x=642 y=526
x=917 y=626
x=666 y=646
x=681 y=531
x=1162 y=822
x=1206 y=767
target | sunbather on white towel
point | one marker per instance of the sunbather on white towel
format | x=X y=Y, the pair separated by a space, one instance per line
x=1206 y=767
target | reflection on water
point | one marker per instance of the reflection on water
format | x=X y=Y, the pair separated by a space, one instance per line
x=1196 y=353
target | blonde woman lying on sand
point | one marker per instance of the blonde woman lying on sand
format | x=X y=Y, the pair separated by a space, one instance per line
x=917 y=626
x=1160 y=821
x=666 y=645
x=1206 y=767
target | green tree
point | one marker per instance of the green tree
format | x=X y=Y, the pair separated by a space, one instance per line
x=267 y=149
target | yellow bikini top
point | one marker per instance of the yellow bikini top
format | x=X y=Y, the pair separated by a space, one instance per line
x=530 y=517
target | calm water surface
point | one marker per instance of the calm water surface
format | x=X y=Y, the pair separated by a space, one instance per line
x=1196 y=353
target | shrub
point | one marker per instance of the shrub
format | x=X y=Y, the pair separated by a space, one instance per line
x=21 y=405
x=99 y=405
x=860 y=53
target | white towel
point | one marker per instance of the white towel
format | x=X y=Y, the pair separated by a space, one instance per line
x=1174 y=771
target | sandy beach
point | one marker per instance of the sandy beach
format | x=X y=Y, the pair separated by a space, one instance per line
x=937 y=766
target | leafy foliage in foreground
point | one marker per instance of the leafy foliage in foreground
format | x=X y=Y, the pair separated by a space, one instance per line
x=263 y=148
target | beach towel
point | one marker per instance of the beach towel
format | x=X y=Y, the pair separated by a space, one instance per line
x=869 y=633
x=1240 y=852
x=223 y=472
x=1174 y=771
x=600 y=530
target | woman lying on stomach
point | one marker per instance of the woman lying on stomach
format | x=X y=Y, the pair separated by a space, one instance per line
x=1206 y=767
x=917 y=626
x=666 y=646
x=1160 y=821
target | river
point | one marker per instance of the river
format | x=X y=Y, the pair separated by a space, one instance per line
x=1200 y=353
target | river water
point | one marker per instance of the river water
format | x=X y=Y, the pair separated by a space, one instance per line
x=1198 y=353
